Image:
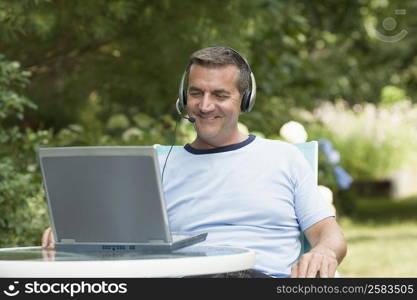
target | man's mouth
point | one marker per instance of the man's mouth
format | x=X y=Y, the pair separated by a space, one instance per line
x=207 y=118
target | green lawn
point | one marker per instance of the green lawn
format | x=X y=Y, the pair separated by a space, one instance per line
x=382 y=239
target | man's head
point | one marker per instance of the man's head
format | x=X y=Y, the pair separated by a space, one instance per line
x=219 y=56
x=218 y=78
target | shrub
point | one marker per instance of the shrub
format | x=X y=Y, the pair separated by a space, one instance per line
x=373 y=140
x=22 y=207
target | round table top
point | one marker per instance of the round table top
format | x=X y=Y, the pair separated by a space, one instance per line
x=193 y=260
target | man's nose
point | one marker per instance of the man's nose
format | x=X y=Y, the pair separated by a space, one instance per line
x=206 y=104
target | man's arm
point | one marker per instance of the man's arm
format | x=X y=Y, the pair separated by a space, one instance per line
x=328 y=250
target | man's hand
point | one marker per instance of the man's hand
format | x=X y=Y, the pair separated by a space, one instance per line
x=315 y=263
x=48 y=240
x=329 y=249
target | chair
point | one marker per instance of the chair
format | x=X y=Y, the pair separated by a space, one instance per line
x=310 y=151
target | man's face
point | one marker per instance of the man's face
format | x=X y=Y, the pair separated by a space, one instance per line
x=213 y=99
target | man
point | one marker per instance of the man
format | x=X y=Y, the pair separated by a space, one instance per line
x=243 y=190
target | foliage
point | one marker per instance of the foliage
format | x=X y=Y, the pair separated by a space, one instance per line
x=391 y=94
x=373 y=140
x=306 y=52
x=123 y=129
x=22 y=206
x=131 y=53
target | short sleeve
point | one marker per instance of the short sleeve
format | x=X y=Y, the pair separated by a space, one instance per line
x=310 y=206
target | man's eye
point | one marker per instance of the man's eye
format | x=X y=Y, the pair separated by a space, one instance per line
x=221 y=96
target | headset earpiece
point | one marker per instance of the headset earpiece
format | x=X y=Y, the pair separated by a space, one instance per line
x=250 y=97
x=245 y=101
x=184 y=98
x=182 y=95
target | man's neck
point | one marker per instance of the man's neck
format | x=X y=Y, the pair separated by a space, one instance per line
x=204 y=144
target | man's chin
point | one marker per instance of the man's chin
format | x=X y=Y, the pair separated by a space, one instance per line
x=207 y=131
x=207 y=136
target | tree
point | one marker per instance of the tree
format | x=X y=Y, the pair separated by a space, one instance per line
x=130 y=54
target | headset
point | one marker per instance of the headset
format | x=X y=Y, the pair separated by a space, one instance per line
x=248 y=98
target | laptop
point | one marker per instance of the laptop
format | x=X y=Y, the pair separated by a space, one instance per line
x=108 y=198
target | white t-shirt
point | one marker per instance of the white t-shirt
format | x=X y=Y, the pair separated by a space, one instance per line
x=257 y=194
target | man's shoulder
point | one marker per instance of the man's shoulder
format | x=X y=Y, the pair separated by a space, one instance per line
x=286 y=153
x=276 y=145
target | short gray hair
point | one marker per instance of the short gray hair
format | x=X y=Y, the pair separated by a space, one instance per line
x=219 y=56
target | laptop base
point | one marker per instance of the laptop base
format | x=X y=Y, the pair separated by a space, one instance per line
x=141 y=248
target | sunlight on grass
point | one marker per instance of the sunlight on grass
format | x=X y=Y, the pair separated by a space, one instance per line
x=380 y=249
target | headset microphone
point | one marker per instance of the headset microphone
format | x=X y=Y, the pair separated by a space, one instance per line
x=190 y=119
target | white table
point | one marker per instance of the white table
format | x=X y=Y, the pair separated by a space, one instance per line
x=194 y=260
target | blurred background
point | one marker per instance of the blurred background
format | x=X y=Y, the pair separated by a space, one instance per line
x=344 y=73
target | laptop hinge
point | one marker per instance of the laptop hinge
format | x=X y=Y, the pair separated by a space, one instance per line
x=68 y=241
x=156 y=241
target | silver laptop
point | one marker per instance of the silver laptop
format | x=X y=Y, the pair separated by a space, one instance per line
x=108 y=199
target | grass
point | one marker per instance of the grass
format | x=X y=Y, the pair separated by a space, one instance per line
x=382 y=239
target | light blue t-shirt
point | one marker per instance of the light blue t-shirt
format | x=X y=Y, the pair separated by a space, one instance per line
x=257 y=194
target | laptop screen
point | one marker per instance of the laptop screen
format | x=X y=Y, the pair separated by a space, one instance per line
x=105 y=198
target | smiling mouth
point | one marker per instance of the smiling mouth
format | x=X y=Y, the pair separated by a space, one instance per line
x=208 y=118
